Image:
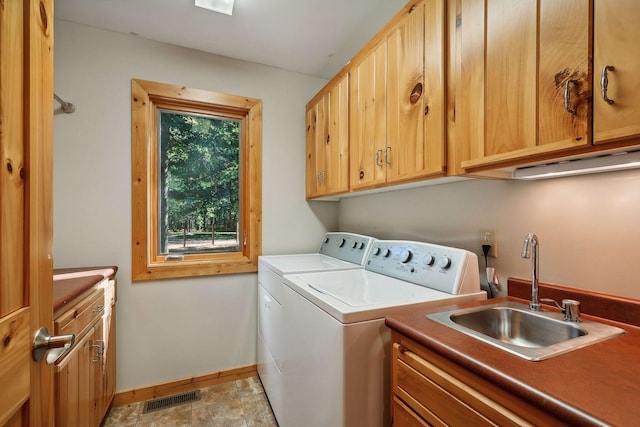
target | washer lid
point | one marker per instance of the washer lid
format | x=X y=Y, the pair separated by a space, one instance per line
x=358 y=295
x=302 y=263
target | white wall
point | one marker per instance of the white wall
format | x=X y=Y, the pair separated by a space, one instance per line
x=169 y=329
x=588 y=226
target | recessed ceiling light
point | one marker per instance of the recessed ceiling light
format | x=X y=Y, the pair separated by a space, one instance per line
x=220 y=6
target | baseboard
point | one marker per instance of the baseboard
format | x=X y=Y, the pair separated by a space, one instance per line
x=179 y=386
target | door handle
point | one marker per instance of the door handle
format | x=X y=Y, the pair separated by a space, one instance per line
x=604 y=83
x=53 y=346
x=567 y=96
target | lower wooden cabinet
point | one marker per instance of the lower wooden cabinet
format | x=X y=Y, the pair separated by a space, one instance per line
x=85 y=376
x=428 y=390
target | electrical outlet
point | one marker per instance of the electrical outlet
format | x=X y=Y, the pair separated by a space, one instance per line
x=490 y=237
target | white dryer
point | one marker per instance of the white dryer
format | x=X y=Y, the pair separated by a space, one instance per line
x=338 y=251
x=336 y=346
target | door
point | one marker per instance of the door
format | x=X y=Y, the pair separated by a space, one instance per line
x=616 y=106
x=415 y=94
x=368 y=120
x=26 y=94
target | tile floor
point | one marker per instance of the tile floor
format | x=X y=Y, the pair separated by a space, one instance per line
x=240 y=403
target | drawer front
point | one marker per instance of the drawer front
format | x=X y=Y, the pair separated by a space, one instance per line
x=403 y=416
x=272 y=282
x=432 y=392
x=80 y=317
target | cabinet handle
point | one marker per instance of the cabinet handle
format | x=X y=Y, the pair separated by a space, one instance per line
x=378 y=159
x=387 y=150
x=98 y=309
x=567 y=96
x=604 y=83
x=98 y=355
x=100 y=347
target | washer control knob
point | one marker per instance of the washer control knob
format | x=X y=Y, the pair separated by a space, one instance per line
x=326 y=240
x=376 y=251
x=386 y=253
x=354 y=245
x=361 y=246
x=341 y=243
x=444 y=262
x=429 y=259
x=405 y=256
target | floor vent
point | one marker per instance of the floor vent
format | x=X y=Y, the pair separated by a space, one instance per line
x=169 y=401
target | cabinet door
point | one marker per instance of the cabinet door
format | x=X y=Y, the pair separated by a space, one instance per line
x=315 y=157
x=327 y=142
x=96 y=374
x=564 y=74
x=367 y=115
x=616 y=35
x=536 y=91
x=415 y=94
x=108 y=362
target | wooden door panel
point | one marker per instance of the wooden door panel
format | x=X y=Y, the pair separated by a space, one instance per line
x=616 y=36
x=367 y=115
x=564 y=58
x=511 y=78
x=434 y=108
x=15 y=332
x=15 y=322
x=311 y=166
x=26 y=85
x=405 y=98
x=336 y=141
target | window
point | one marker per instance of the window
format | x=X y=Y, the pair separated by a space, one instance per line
x=196 y=190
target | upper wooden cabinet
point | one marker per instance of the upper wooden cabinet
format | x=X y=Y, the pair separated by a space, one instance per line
x=616 y=64
x=327 y=141
x=529 y=89
x=397 y=102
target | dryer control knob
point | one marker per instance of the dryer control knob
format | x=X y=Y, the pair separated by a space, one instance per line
x=361 y=246
x=376 y=251
x=405 y=256
x=429 y=259
x=354 y=245
x=444 y=262
x=386 y=253
x=341 y=243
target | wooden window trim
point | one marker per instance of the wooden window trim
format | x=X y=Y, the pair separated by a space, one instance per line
x=146 y=98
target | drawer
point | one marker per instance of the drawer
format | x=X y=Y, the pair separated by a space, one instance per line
x=81 y=316
x=403 y=416
x=440 y=397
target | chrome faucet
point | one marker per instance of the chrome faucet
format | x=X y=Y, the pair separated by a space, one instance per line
x=531 y=244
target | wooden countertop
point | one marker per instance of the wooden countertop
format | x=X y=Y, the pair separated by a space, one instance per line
x=70 y=283
x=593 y=386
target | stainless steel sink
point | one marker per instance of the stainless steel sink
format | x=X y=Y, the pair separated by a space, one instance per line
x=531 y=335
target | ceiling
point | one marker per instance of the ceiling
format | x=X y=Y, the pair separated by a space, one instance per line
x=315 y=37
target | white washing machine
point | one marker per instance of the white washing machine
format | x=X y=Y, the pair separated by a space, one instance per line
x=336 y=347
x=338 y=251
